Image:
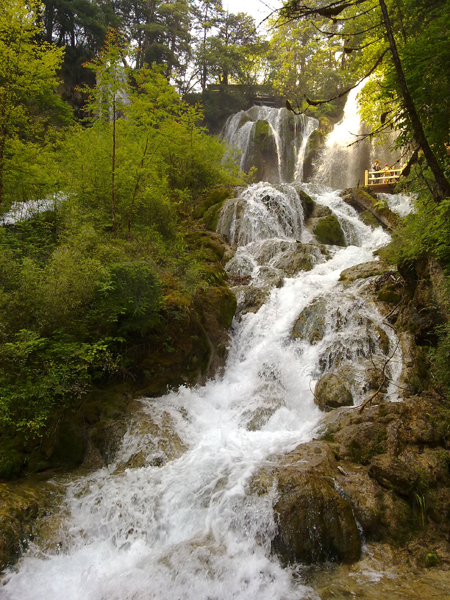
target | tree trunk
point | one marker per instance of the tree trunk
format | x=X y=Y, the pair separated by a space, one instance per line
x=419 y=134
x=113 y=170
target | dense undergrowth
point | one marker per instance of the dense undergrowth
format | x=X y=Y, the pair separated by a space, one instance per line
x=112 y=283
x=420 y=241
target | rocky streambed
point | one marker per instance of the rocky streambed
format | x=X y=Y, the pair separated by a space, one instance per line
x=362 y=507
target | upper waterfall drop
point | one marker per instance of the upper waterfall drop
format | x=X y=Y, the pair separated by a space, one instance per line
x=273 y=140
x=346 y=154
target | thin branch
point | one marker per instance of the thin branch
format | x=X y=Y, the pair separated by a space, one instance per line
x=346 y=91
x=383 y=372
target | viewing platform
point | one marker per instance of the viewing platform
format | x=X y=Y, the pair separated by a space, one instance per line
x=382 y=181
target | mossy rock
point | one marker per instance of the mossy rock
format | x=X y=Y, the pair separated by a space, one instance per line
x=205 y=245
x=243 y=120
x=389 y=294
x=215 y=196
x=432 y=559
x=211 y=216
x=369 y=219
x=307 y=203
x=329 y=231
x=261 y=135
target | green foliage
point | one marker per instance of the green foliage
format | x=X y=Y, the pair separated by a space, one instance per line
x=38 y=374
x=86 y=284
x=303 y=63
x=29 y=105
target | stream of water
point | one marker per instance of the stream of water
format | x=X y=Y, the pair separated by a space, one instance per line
x=182 y=522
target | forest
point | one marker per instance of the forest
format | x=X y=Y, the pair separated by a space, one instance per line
x=109 y=113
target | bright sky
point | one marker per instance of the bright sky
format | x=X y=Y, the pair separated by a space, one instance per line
x=259 y=9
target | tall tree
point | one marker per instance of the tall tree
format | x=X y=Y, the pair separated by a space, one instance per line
x=28 y=79
x=234 y=51
x=207 y=15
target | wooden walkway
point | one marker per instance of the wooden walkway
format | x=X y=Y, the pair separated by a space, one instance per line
x=382 y=181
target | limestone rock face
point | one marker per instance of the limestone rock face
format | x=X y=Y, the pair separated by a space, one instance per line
x=392 y=473
x=331 y=392
x=315 y=523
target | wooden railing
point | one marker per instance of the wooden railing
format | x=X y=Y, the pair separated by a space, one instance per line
x=382 y=177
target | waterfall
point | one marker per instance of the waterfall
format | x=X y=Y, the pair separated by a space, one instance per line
x=342 y=161
x=272 y=140
x=175 y=515
x=182 y=521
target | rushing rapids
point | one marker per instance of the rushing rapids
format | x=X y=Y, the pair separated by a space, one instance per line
x=184 y=522
x=175 y=515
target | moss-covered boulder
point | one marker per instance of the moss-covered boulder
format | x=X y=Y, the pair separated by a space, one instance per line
x=207 y=208
x=307 y=203
x=20 y=506
x=311 y=323
x=368 y=218
x=332 y=392
x=362 y=201
x=329 y=231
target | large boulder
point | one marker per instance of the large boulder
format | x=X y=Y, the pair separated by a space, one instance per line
x=329 y=231
x=332 y=392
x=315 y=523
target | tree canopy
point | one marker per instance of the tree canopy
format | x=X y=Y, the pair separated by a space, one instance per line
x=392 y=39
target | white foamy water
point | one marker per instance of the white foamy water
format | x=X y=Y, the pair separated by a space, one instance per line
x=287 y=136
x=399 y=203
x=24 y=211
x=191 y=528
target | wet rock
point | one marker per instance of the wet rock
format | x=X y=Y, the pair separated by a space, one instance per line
x=368 y=218
x=299 y=257
x=331 y=392
x=315 y=522
x=311 y=323
x=307 y=203
x=320 y=211
x=250 y=299
x=392 y=473
x=329 y=231
x=20 y=505
x=362 y=201
x=240 y=265
x=383 y=515
x=362 y=271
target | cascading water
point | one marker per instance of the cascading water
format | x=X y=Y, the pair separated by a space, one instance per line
x=342 y=161
x=175 y=517
x=273 y=140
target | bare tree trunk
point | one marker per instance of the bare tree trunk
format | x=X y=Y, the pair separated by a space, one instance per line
x=136 y=188
x=4 y=126
x=113 y=170
x=419 y=133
